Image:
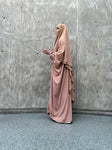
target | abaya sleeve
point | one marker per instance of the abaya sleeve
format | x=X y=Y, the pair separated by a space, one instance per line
x=51 y=55
x=59 y=54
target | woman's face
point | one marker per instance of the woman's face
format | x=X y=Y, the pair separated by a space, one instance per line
x=58 y=29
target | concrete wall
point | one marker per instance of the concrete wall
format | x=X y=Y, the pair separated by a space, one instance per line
x=28 y=26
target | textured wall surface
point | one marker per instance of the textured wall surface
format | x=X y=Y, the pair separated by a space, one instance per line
x=28 y=26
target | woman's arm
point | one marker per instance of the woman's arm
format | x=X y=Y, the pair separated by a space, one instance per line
x=46 y=51
x=60 y=53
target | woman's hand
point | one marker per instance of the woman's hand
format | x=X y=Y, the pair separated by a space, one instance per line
x=45 y=51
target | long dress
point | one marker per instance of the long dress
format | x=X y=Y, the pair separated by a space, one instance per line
x=59 y=105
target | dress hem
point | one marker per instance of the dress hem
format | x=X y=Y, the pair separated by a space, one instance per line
x=58 y=121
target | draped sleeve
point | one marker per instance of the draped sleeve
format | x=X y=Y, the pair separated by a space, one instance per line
x=51 y=55
x=58 y=54
x=56 y=62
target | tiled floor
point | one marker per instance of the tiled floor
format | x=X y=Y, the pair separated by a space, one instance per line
x=36 y=131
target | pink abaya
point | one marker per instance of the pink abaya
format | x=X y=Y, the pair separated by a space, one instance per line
x=59 y=105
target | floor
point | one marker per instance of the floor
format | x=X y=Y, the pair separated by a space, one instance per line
x=36 y=131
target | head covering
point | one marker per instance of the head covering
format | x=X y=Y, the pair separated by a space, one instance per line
x=63 y=54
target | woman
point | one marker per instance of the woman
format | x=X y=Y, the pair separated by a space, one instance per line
x=61 y=87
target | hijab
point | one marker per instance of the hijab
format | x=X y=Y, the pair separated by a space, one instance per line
x=62 y=51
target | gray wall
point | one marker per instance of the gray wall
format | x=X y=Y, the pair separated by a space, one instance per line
x=28 y=26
